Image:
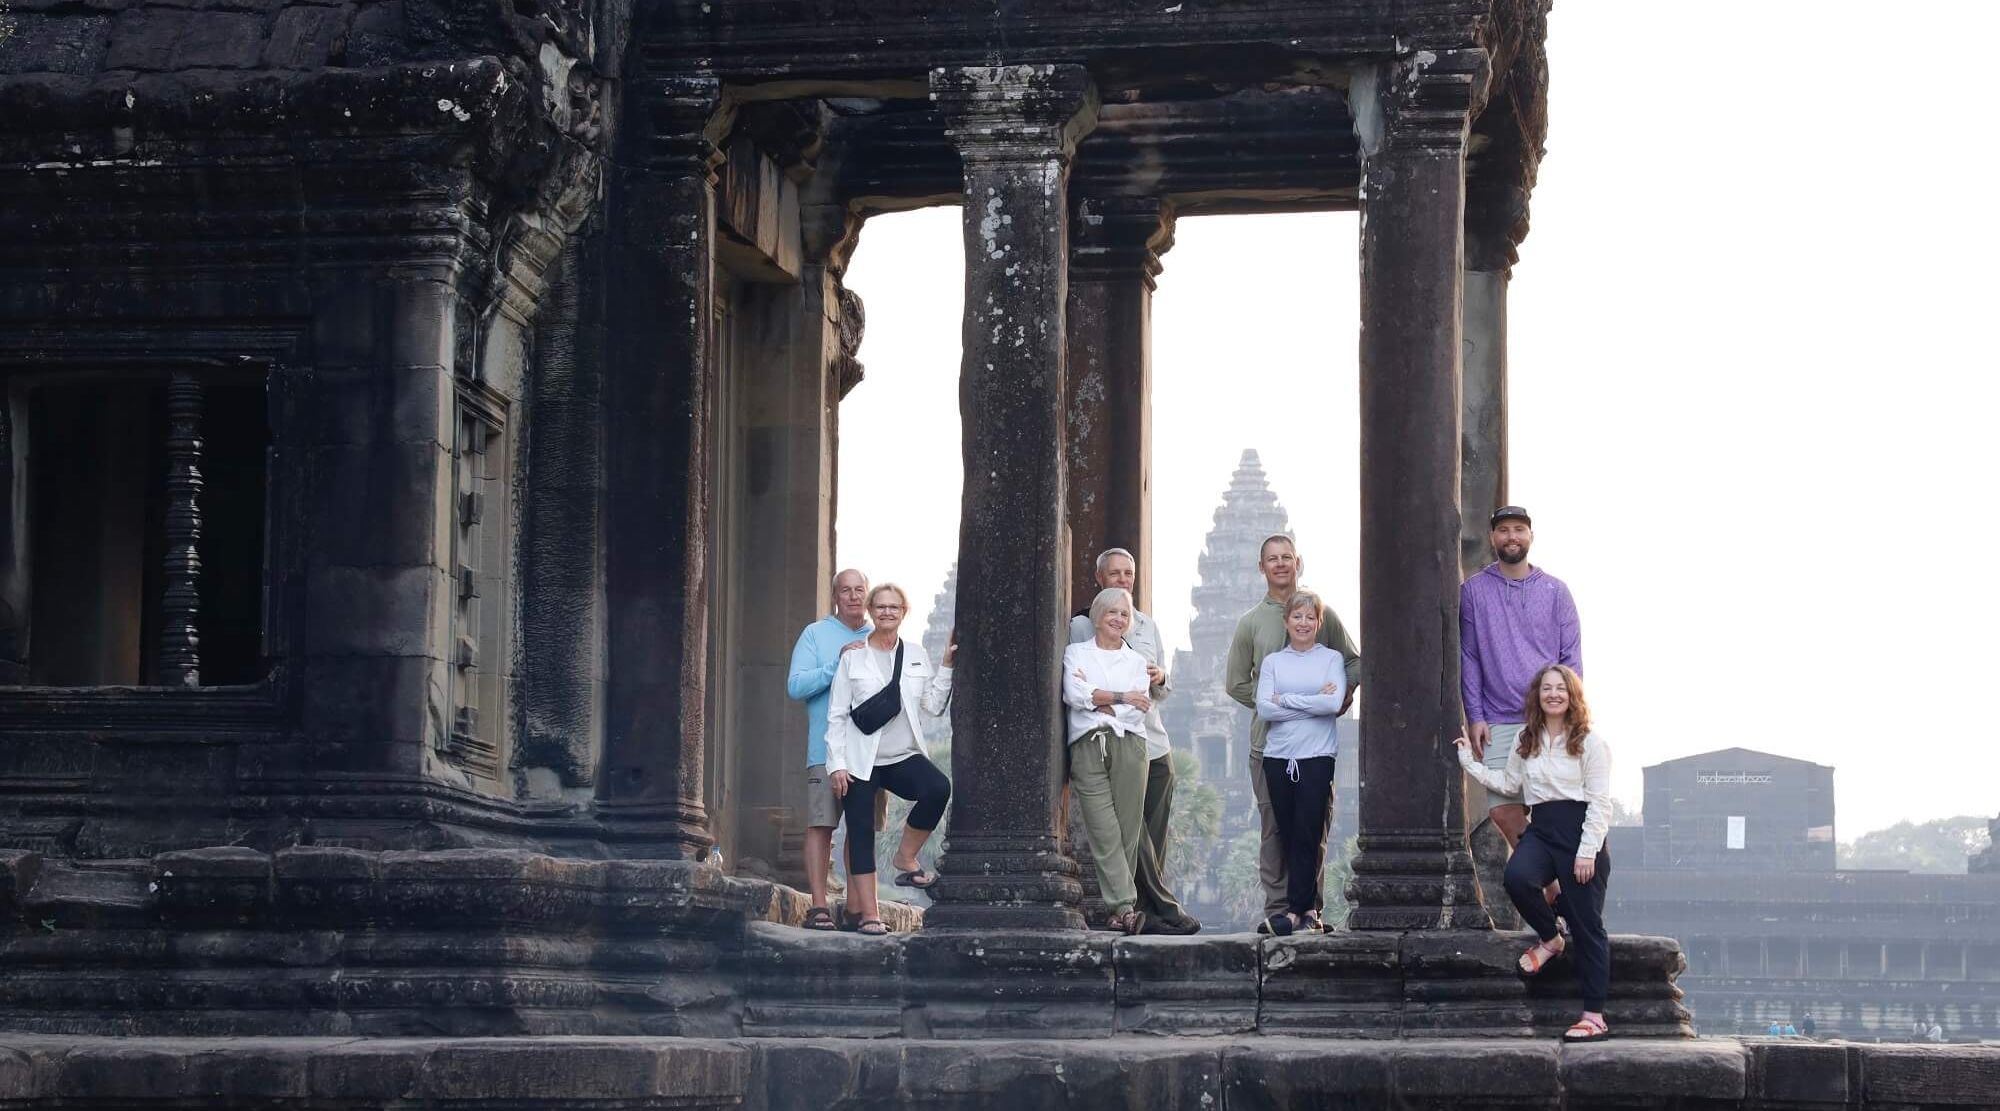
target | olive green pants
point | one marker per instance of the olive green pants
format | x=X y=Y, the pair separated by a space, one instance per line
x=1108 y=772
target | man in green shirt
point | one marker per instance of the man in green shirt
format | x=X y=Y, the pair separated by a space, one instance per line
x=1259 y=633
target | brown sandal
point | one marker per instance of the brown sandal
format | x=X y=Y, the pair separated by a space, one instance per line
x=1538 y=956
x=1586 y=1029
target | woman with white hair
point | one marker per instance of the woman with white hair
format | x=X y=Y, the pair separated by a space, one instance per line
x=874 y=741
x=1107 y=689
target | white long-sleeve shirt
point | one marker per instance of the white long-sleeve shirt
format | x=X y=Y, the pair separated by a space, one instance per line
x=1144 y=638
x=1553 y=775
x=1086 y=668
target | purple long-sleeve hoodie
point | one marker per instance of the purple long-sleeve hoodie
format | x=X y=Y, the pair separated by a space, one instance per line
x=1507 y=629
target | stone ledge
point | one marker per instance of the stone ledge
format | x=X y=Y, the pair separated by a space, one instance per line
x=1178 y=1074
x=1065 y=984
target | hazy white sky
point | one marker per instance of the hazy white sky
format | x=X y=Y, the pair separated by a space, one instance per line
x=1750 y=396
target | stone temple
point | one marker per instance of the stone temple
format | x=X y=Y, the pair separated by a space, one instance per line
x=418 y=441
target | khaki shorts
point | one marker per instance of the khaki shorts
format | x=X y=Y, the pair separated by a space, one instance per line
x=1500 y=744
x=822 y=809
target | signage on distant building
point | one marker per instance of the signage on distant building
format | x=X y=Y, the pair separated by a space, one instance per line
x=1712 y=779
x=1736 y=830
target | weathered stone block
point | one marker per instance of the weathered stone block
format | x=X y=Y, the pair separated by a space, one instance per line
x=1654 y=1072
x=18 y=869
x=54 y=44
x=402 y=492
x=1282 y=1074
x=1929 y=1076
x=373 y=611
x=306 y=36
x=220 y=40
x=1042 y=983
x=378 y=36
x=422 y=320
x=1339 y=983
x=369 y=405
x=143 y=39
x=1457 y=1072
x=1463 y=981
x=802 y=984
x=1187 y=985
x=380 y=702
x=223 y=883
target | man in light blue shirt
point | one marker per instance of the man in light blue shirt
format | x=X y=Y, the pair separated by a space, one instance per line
x=814 y=660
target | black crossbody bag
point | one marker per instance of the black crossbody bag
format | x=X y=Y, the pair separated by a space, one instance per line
x=882 y=708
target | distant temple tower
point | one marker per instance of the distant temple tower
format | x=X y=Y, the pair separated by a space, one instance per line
x=1202 y=716
x=937 y=631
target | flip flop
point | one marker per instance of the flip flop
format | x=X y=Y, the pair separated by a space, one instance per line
x=820 y=918
x=919 y=878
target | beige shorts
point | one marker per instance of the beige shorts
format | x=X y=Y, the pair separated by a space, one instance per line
x=1500 y=742
x=822 y=809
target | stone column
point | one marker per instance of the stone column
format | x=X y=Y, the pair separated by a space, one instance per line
x=1413 y=870
x=1114 y=258
x=1016 y=128
x=658 y=418
x=1491 y=214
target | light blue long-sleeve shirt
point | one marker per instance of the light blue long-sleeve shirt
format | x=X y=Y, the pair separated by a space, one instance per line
x=1302 y=722
x=814 y=659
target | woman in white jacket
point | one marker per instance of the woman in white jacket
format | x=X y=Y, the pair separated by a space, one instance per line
x=892 y=757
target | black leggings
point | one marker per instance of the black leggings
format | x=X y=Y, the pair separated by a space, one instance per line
x=917 y=779
x=1548 y=852
x=1301 y=809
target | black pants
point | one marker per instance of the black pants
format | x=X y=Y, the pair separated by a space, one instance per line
x=1301 y=807
x=916 y=779
x=1548 y=852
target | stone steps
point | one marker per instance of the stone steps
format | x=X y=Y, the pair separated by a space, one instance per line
x=1156 y=1074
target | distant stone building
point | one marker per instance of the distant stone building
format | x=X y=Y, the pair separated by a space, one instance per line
x=1737 y=860
x=1988 y=858
x=1739 y=810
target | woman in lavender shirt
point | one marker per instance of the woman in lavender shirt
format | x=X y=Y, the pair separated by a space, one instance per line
x=1299 y=691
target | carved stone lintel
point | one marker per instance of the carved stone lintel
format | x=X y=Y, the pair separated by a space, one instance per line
x=180 y=603
x=1496 y=220
x=1425 y=100
x=1015 y=113
x=686 y=121
x=853 y=322
x=1116 y=239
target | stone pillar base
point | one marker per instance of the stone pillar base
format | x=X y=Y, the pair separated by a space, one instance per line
x=1413 y=880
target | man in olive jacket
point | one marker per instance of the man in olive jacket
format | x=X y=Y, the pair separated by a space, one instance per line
x=1259 y=633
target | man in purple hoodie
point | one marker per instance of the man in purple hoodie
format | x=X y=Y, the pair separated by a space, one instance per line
x=1513 y=617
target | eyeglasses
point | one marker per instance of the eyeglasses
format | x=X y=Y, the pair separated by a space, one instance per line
x=888 y=609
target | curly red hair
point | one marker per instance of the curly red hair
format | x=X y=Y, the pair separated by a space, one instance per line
x=1576 y=721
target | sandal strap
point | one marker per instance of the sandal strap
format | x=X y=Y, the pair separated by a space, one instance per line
x=1588 y=1026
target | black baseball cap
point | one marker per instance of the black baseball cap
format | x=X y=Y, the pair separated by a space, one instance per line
x=1507 y=512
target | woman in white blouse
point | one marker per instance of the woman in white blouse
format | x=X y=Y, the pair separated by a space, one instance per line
x=1562 y=768
x=892 y=757
x=1108 y=692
